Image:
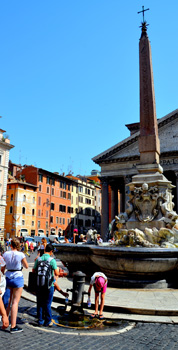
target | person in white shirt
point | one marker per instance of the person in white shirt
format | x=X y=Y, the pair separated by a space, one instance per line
x=14 y=278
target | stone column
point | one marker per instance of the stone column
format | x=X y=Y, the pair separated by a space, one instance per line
x=127 y=179
x=121 y=186
x=114 y=200
x=105 y=209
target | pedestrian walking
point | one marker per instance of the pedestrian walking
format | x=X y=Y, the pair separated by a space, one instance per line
x=31 y=247
x=14 y=260
x=99 y=282
x=26 y=248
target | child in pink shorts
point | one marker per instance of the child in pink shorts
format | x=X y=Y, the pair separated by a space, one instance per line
x=99 y=282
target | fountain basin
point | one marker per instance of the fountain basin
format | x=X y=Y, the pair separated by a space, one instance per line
x=124 y=266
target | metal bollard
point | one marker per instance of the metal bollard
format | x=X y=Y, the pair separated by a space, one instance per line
x=77 y=292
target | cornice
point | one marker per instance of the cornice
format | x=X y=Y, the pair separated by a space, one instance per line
x=102 y=157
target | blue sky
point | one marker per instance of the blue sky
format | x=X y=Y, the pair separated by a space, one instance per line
x=69 y=76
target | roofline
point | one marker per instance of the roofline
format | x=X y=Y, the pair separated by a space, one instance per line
x=131 y=139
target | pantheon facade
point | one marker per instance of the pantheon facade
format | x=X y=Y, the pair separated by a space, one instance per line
x=119 y=163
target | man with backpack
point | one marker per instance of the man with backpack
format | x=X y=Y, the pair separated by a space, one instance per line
x=46 y=269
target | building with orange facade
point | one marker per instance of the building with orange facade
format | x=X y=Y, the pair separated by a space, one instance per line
x=53 y=209
x=20 y=218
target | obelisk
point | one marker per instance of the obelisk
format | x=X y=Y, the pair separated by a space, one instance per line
x=146 y=210
x=149 y=145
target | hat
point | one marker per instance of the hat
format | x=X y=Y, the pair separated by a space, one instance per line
x=81 y=236
x=99 y=283
x=75 y=230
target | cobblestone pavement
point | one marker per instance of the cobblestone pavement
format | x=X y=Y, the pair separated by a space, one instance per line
x=140 y=336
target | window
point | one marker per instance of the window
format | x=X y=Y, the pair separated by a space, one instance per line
x=64 y=186
x=69 y=209
x=40 y=177
x=33 y=199
x=33 y=224
x=0 y=159
x=47 y=190
x=80 y=198
x=53 y=182
x=23 y=210
x=12 y=197
x=52 y=206
x=68 y=187
x=40 y=188
x=46 y=224
x=93 y=193
x=39 y=212
x=47 y=213
x=68 y=221
x=48 y=180
x=38 y=224
x=11 y=210
x=23 y=222
x=64 y=194
x=51 y=219
x=52 y=191
x=39 y=200
x=24 y=198
x=33 y=212
x=62 y=208
x=87 y=201
x=80 y=189
x=61 y=194
x=63 y=221
x=56 y=219
x=69 y=196
x=60 y=220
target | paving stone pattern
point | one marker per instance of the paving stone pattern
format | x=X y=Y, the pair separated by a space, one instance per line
x=144 y=336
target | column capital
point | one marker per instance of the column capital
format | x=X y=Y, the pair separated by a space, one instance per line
x=104 y=180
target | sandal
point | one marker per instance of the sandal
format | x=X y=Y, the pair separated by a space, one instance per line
x=101 y=317
x=93 y=315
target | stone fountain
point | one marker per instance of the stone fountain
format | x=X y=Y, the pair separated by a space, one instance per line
x=145 y=251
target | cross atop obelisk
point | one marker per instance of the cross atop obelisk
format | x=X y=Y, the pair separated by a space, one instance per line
x=142 y=11
x=149 y=145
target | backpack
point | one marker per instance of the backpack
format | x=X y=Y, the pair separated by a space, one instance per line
x=44 y=273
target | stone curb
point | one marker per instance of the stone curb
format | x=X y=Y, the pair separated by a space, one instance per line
x=138 y=315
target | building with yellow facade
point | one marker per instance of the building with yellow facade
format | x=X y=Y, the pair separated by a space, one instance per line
x=20 y=218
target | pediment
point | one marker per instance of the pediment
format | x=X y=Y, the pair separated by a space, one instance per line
x=128 y=148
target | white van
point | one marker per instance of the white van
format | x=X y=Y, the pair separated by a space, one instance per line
x=41 y=232
x=24 y=232
x=53 y=237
